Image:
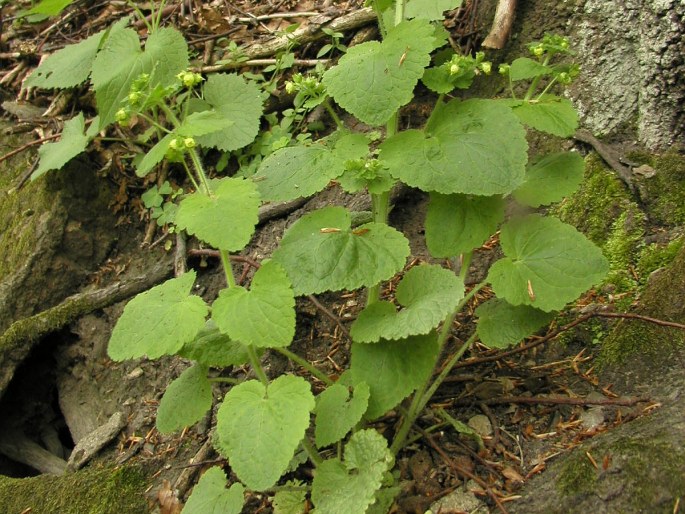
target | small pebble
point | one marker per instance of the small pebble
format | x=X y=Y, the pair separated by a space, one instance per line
x=481 y=424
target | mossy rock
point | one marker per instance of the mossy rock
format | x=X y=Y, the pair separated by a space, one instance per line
x=644 y=462
x=652 y=345
x=53 y=232
x=663 y=193
x=605 y=212
x=89 y=491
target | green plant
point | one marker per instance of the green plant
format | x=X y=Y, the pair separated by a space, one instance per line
x=470 y=156
x=44 y=9
x=334 y=45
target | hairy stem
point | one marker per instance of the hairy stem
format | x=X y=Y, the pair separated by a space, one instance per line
x=380 y=207
x=256 y=365
x=228 y=268
x=311 y=451
x=327 y=105
x=424 y=393
x=534 y=85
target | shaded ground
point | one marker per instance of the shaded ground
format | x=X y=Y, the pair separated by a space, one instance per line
x=530 y=407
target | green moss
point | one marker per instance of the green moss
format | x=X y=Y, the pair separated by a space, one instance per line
x=603 y=210
x=578 y=476
x=664 y=193
x=656 y=255
x=22 y=230
x=651 y=465
x=663 y=298
x=99 y=491
x=601 y=199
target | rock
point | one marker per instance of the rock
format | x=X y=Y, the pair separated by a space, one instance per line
x=461 y=500
x=481 y=424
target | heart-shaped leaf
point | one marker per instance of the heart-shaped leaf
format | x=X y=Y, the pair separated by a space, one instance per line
x=472 y=147
x=337 y=413
x=121 y=61
x=501 y=324
x=263 y=316
x=210 y=495
x=548 y=263
x=226 y=219
x=298 y=171
x=212 y=348
x=259 y=428
x=232 y=98
x=551 y=179
x=384 y=74
x=321 y=252
x=456 y=224
x=185 y=401
x=393 y=369
x=350 y=487
x=525 y=68
x=551 y=114
x=53 y=156
x=428 y=294
x=159 y=321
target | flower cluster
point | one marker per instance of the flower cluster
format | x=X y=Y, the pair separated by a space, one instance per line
x=550 y=45
x=309 y=90
x=178 y=147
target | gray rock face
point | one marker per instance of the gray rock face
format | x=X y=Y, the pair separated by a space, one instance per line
x=633 y=69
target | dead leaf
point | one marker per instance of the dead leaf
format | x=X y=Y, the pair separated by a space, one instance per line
x=168 y=502
x=511 y=474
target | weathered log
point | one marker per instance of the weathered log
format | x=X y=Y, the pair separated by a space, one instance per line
x=305 y=34
x=501 y=26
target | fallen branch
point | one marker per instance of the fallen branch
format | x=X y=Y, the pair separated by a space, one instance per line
x=501 y=26
x=305 y=34
x=624 y=402
x=568 y=326
x=21 y=337
x=608 y=155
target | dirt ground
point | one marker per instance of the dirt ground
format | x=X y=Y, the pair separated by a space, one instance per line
x=530 y=405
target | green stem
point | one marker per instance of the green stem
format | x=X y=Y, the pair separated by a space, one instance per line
x=424 y=393
x=140 y=15
x=379 y=17
x=439 y=104
x=534 y=85
x=399 y=11
x=190 y=175
x=228 y=268
x=380 y=207
x=428 y=430
x=311 y=451
x=327 y=105
x=154 y=123
x=256 y=365
x=446 y=370
x=511 y=87
x=408 y=421
x=305 y=364
x=547 y=87
x=158 y=15
x=197 y=164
